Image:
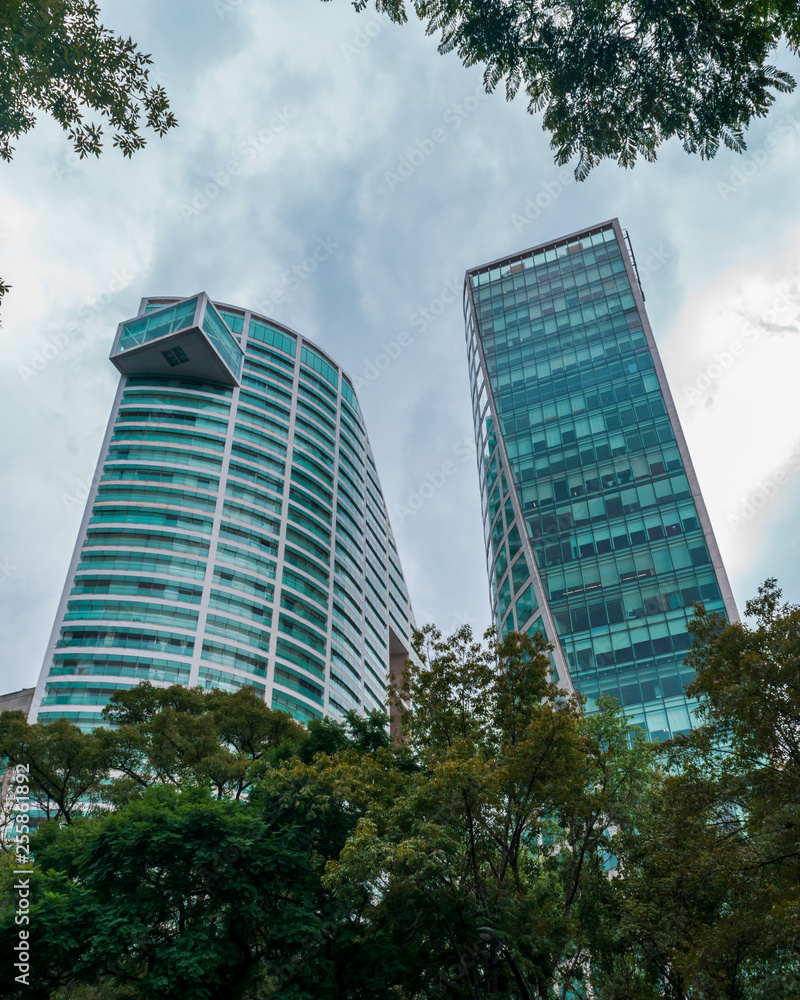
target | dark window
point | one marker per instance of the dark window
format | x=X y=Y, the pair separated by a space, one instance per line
x=597 y=615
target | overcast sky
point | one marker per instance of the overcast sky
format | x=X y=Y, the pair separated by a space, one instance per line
x=303 y=122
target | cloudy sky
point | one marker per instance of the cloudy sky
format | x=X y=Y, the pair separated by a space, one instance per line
x=299 y=123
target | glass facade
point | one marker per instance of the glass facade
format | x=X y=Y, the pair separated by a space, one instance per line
x=235 y=535
x=596 y=532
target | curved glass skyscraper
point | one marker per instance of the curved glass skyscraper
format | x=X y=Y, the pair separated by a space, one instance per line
x=596 y=532
x=235 y=533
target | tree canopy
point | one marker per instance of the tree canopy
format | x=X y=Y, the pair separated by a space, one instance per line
x=58 y=59
x=240 y=854
x=614 y=79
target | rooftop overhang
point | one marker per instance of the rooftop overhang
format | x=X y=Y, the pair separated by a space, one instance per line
x=188 y=339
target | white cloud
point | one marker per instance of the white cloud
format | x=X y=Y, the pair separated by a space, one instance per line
x=70 y=226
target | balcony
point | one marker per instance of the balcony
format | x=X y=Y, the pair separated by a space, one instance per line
x=186 y=338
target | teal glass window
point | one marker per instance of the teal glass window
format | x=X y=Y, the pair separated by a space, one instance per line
x=143 y=515
x=227 y=628
x=349 y=395
x=142 y=587
x=303 y=610
x=142 y=561
x=301 y=633
x=313 y=487
x=224 y=681
x=285 y=342
x=309 y=524
x=311 y=394
x=314 y=432
x=296 y=682
x=233 y=321
x=260 y=613
x=267 y=334
x=308 y=544
x=222 y=338
x=259 y=420
x=139 y=667
x=258 y=403
x=168 y=642
x=162 y=415
x=262 y=441
x=305 y=587
x=253 y=497
x=520 y=573
x=145 y=539
x=232 y=656
x=154 y=495
x=259 y=352
x=344 y=687
x=504 y=600
x=130 y=611
x=526 y=605
x=157 y=324
x=77 y=693
x=163 y=382
x=320 y=364
x=258 y=476
x=245 y=560
x=299 y=657
x=122 y=434
x=158 y=474
x=304 y=409
x=308 y=463
x=304 y=500
x=314 y=386
x=191 y=401
x=241 y=451
x=321 y=454
x=174 y=456
x=298 y=709
x=299 y=561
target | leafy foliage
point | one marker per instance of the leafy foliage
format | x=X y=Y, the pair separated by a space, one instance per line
x=162 y=736
x=710 y=898
x=242 y=855
x=57 y=58
x=496 y=810
x=616 y=78
x=66 y=767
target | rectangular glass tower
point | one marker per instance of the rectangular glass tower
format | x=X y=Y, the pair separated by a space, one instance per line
x=596 y=531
